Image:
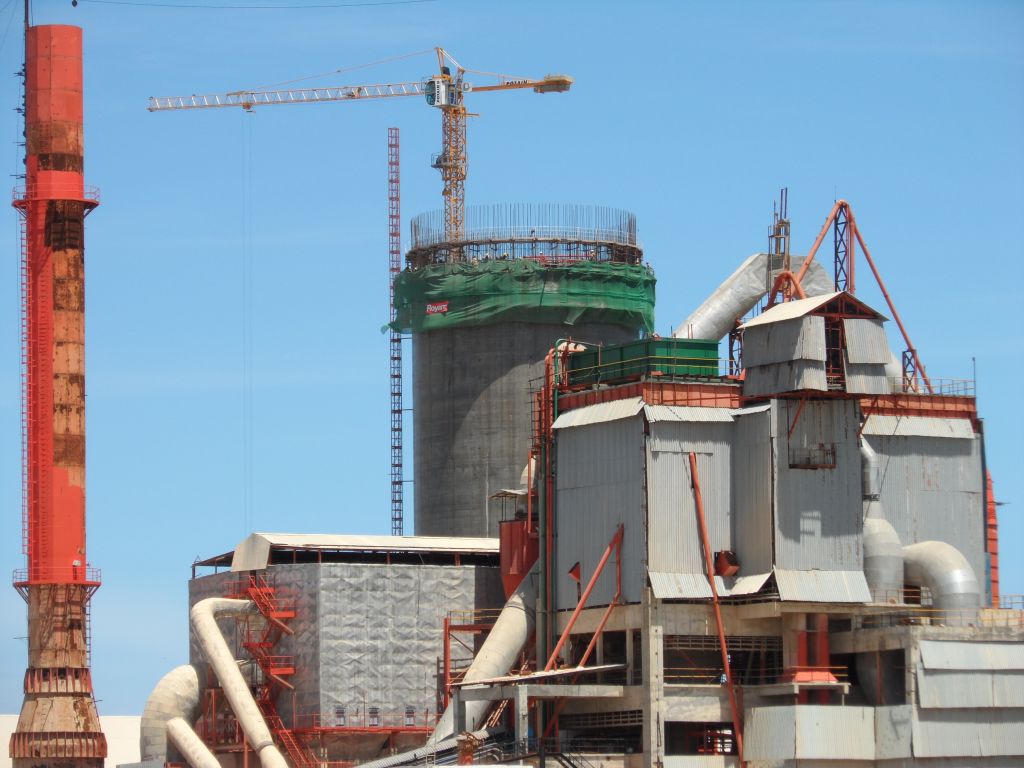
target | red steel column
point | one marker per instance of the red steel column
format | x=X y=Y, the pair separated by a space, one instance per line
x=59 y=726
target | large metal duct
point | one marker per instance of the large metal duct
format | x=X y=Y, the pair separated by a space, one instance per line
x=738 y=294
x=944 y=570
x=472 y=416
x=883 y=552
x=510 y=634
x=176 y=695
x=191 y=747
x=204 y=623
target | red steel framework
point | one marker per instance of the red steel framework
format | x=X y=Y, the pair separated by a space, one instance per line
x=59 y=724
x=395 y=343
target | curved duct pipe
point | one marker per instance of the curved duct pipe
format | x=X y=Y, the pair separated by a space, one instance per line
x=510 y=634
x=738 y=294
x=176 y=695
x=191 y=747
x=945 y=571
x=221 y=659
x=883 y=552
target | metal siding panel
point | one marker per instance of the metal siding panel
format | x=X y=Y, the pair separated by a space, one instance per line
x=953 y=655
x=931 y=490
x=752 y=533
x=822 y=586
x=818 y=512
x=785 y=377
x=968 y=732
x=682 y=586
x=954 y=690
x=893 y=728
x=600 y=484
x=1008 y=689
x=674 y=537
x=797 y=339
x=769 y=733
x=598 y=413
x=867 y=379
x=918 y=426
x=866 y=341
x=835 y=733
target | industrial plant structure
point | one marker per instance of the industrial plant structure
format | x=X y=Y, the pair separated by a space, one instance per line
x=632 y=551
x=785 y=556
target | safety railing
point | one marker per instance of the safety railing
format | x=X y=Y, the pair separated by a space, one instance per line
x=940 y=386
x=84 y=574
x=715 y=676
x=650 y=366
x=482 y=616
x=1011 y=602
x=56 y=191
x=927 y=616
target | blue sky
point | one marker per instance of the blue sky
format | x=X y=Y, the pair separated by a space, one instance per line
x=692 y=115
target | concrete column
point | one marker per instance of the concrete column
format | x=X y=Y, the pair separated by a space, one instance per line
x=629 y=655
x=522 y=705
x=653 y=646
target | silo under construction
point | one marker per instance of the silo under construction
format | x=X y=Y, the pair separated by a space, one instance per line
x=483 y=312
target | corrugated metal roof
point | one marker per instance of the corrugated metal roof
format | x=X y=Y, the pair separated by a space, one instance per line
x=822 y=586
x=751 y=409
x=800 y=307
x=918 y=426
x=694 y=586
x=599 y=413
x=940 y=654
x=789 y=310
x=687 y=413
x=866 y=341
x=253 y=553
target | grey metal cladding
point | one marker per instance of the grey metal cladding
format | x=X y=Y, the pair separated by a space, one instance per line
x=674 y=543
x=956 y=689
x=380 y=633
x=960 y=655
x=866 y=341
x=968 y=732
x=600 y=484
x=752 y=529
x=802 y=338
x=867 y=379
x=790 y=376
x=882 y=425
x=932 y=491
x=893 y=729
x=818 y=512
x=821 y=733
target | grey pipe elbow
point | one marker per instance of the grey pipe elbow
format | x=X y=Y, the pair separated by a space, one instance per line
x=944 y=570
x=176 y=695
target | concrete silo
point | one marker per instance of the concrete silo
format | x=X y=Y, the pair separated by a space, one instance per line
x=483 y=312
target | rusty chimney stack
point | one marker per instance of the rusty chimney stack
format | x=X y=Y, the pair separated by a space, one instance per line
x=59 y=726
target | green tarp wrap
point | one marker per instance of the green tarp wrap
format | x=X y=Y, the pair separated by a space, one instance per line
x=519 y=290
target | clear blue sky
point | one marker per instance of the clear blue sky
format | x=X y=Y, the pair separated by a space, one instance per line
x=690 y=114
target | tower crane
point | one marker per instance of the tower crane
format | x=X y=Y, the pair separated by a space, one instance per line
x=445 y=91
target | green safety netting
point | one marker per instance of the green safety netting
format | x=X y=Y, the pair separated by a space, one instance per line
x=520 y=290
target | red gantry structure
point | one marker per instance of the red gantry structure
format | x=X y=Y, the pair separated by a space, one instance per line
x=59 y=725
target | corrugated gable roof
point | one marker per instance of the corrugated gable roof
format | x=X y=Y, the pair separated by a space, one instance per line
x=918 y=426
x=687 y=413
x=599 y=413
x=789 y=310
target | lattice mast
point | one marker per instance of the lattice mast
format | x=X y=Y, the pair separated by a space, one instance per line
x=59 y=726
x=395 y=341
